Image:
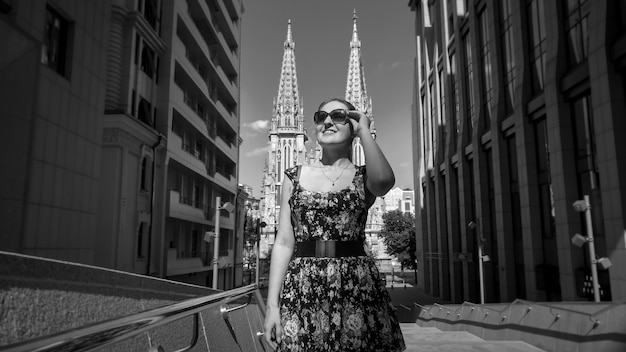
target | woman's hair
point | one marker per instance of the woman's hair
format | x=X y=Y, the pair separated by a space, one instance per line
x=343 y=101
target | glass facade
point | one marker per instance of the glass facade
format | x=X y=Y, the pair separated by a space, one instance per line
x=508 y=54
x=486 y=65
x=535 y=23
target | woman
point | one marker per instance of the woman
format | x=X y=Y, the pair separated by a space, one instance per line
x=331 y=296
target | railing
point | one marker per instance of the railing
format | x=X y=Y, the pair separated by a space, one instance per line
x=103 y=334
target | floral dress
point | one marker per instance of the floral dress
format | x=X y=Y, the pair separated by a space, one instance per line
x=334 y=304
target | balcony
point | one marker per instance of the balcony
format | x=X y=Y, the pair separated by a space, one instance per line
x=230 y=116
x=181 y=208
x=230 y=84
x=211 y=25
x=183 y=154
x=228 y=149
x=191 y=66
x=225 y=181
x=234 y=34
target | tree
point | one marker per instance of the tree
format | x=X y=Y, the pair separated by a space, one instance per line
x=398 y=234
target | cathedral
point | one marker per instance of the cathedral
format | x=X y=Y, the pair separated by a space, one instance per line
x=288 y=138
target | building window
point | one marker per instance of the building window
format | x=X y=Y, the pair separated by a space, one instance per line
x=442 y=108
x=140 y=241
x=537 y=41
x=576 y=27
x=516 y=218
x=469 y=86
x=433 y=120
x=485 y=59
x=55 y=41
x=454 y=91
x=424 y=133
x=144 y=112
x=149 y=10
x=508 y=55
x=148 y=61
x=144 y=174
x=584 y=145
x=193 y=248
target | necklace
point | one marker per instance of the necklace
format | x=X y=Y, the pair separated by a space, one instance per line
x=336 y=178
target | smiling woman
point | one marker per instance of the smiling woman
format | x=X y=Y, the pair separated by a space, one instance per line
x=325 y=292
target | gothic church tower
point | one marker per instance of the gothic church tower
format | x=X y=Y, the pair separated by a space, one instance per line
x=287 y=135
x=356 y=91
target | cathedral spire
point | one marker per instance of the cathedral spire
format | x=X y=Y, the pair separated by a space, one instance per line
x=287 y=134
x=355 y=34
x=288 y=103
x=356 y=90
x=289 y=41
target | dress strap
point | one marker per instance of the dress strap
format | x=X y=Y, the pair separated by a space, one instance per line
x=293 y=173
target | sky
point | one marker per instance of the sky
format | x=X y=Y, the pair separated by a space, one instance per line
x=322 y=31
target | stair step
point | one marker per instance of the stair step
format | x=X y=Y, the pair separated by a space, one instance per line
x=435 y=337
x=414 y=327
x=477 y=346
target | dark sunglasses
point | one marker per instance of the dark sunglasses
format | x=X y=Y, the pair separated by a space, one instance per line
x=339 y=116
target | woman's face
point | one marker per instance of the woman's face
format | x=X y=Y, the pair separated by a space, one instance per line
x=329 y=132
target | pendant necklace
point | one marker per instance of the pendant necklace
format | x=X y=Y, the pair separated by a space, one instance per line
x=330 y=179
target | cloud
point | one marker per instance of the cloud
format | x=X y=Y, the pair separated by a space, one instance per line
x=257 y=125
x=382 y=66
x=251 y=129
x=258 y=151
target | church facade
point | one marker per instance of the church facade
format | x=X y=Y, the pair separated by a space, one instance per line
x=288 y=138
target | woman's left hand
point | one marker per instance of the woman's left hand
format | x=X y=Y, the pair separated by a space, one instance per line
x=359 y=121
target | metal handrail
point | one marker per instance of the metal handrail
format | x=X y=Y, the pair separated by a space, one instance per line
x=101 y=334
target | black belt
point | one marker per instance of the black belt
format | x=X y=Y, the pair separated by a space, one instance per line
x=329 y=249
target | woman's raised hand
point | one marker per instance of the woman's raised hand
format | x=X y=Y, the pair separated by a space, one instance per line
x=359 y=121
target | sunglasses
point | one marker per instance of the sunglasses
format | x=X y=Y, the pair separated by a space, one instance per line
x=338 y=116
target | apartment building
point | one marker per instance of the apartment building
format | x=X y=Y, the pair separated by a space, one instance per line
x=123 y=134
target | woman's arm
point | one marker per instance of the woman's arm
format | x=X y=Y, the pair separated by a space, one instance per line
x=380 y=177
x=281 y=255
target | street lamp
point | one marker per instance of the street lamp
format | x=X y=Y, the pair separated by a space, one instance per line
x=216 y=249
x=584 y=206
x=259 y=226
x=481 y=259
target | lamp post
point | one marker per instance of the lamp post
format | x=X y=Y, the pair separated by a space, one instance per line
x=584 y=206
x=481 y=259
x=216 y=249
x=259 y=226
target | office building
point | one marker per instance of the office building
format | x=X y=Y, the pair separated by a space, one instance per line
x=517 y=114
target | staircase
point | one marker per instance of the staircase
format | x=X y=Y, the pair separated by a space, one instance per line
x=422 y=339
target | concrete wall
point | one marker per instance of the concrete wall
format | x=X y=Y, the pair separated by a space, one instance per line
x=42 y=296
x=559 y=326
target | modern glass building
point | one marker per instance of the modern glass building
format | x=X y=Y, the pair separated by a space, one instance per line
x=519 y=112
